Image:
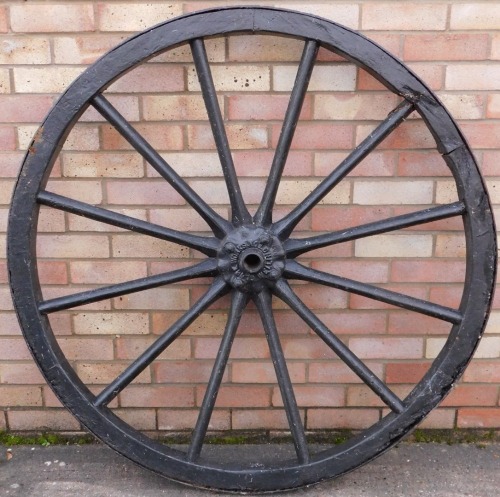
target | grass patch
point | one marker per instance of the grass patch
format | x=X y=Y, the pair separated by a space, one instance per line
x=480 y=438
x=44 y=439
x=452 y=437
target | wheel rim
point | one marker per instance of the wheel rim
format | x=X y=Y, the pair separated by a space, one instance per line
x=251 y=263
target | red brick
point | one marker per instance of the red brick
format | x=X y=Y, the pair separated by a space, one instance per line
x=176 y=108
x=376 y=164
x=106 y=272
x=9 y=325
x=472 y=395
x=61 y=246
x=390 y=41
x=338 y=372
x=321 y=297
x=132 y=347
x=50 y=399
x=493 y=110
x=197 y=291
x=5 y=297
x=254 y=419
x=362 y=396
x=353 y=106
x=478 y=418
x=403 y=16
x=229 y=78
x=439 y=419
x=11 y=396
x=489 y=166
x=446 y=47
x=77 y=349
x=318 y=136
x=104 y=373
x=3 y=273
x=239 y=396
x=134 y=16
x=405 y=372
x=83 y=49
x=42 y=420
x=243 y=348
x=264 y=107
x=24 y=108
x=200 y=137
x=140 y=419
x=61 y=323
x=11 y=162
x=480 y=16
x=365 y=271
x=56 y=18
x=311 y=347
x=341 y=418
x=356 y=323
x=14 y=349
x=433 y=74
x=268 y=48
x=142 y=193
x=174 y=420
x=365 y=81
x=432 y=271
x=341 y=217
x=51 y=221
x=327 y=77
x=135 y=323
x=482 y=372
x=25 y=50
x=325 y=55
x=422 y=163
x=449 y=295
x=286 y=321
x=157 y=396
x=7 y=138
x=160 y=137
x=92 y=165
x=258 y=163
x=3 y=20
x=304 y=225
x=263 y=372
x=85 y=191
x=127 y=105
x=410 y=134
x=184 y=372
x=482 y=135
x=184 y=219
x=411 y=323
x=206 y=324
x=387 y=348
x=151 y=78
x=313 y=396
x=52 y=272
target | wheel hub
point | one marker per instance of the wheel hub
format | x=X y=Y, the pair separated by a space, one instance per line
x=251 y=258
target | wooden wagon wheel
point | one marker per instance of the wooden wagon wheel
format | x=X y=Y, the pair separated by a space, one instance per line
x=251 y=257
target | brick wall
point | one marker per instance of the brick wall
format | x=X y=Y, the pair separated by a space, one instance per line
x=453 y=46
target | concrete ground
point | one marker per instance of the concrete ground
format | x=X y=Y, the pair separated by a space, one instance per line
x=422 y=470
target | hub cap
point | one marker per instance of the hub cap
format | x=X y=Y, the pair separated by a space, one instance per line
x=251 y=258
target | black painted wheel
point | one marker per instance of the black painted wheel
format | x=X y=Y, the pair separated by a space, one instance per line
x=252 y=258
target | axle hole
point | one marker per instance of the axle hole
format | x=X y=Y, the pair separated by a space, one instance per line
x=251 y=261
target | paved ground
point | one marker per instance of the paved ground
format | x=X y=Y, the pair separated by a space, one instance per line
x=421 y=470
